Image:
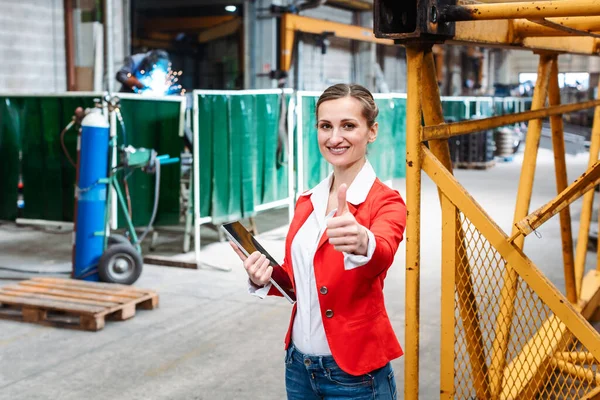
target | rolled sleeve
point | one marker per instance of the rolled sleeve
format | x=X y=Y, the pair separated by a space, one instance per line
x=258 y=292
x=352 y=261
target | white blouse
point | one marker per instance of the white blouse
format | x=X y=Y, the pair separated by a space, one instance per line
x=308 y=333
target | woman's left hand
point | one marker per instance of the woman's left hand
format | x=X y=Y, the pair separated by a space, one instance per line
x=344 y=232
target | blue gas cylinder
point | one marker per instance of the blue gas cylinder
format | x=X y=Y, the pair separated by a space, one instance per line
x=91 y=195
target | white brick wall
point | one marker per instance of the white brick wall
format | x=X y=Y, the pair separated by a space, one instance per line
x=32 y=47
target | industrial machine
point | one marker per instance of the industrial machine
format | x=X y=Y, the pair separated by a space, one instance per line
x=98 y=254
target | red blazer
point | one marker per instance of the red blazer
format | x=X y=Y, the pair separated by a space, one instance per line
x=356 y=323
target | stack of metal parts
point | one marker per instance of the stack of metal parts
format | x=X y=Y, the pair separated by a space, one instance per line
x=473 y=151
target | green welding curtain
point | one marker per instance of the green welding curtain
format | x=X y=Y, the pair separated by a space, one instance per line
x=153 y=124
x=30 y=127
x=241 y=164
x=387 y=154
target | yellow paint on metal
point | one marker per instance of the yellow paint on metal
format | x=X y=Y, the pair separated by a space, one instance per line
x=414 y=57
x=511 y=34
x=530 y=9
x=509 y=289
x=542 y=301
x=576 y=371
x=449 y=261
x=526 y=28
x=586 y=208
x=586 y=182
x=432 y=114
x=445 y=131
x=560 y=165
x=578 y=357
x=291 y=23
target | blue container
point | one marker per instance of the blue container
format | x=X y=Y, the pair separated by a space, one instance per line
x=91 y=197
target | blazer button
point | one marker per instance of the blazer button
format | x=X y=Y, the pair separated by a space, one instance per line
x=323 y=290
x=329 y=313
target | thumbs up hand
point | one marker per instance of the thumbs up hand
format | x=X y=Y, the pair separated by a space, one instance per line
x=344 y=232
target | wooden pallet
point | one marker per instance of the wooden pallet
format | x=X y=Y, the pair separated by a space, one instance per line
x=71 y=303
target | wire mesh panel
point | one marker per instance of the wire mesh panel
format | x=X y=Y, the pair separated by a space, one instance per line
x=543 y=359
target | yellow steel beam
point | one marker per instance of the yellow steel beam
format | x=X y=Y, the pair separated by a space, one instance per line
x=531 y=9
x=528 y=371
x=459 y=278
x=576 y=372
x=592 y=395
x=450 y=228
x=560 y=163
x=523 y=375
x=219 y=31
x=183 y=24
x=535 y=279
x=562 y=28
x=586 y=208
x=445 y=131
x=526 y=28
x=414 y=57
x=357 y=5
x=577 y=357
x=586 y=182
x=291 y=23
x=509 y=289
x=507 y=34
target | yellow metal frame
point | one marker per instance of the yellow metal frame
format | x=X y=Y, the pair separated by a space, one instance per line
x=493 y=375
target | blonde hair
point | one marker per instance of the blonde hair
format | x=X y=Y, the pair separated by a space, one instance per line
x=360 y=93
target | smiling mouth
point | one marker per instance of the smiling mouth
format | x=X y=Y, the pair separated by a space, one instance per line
x=338 y=150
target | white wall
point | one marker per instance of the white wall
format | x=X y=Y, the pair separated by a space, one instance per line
x=526 y=61
x=318 y=71
x=394 y=68
x=32 y=46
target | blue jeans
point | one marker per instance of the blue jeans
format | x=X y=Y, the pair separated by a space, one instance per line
x=319 y=377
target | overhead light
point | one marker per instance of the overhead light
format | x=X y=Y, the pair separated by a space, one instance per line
x=230 y=8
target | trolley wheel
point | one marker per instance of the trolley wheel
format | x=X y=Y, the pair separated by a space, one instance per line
x=117 y=239
x=120 y=263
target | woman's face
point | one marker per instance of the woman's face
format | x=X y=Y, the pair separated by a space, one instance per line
x=343 y=133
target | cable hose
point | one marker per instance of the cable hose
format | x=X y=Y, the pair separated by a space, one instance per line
x=64 y=147
x=29 y=271
x=155 y=209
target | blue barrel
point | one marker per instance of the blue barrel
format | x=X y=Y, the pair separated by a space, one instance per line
x=91 y=195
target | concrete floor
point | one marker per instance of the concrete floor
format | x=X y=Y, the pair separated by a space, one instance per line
x=211 y=340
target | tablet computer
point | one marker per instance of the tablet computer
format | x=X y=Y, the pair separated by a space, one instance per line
x=238 y=234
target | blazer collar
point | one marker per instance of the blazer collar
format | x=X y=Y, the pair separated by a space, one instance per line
x=357 y=192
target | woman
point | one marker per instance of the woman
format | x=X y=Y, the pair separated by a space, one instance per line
x=340 y=244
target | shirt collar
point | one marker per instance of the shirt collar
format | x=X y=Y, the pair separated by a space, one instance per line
x=357 y=192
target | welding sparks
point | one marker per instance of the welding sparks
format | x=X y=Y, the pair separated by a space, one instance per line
x=160 y=82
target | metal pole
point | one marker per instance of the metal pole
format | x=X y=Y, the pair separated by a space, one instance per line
x=196 y=176
x=446 y=131
x=558 y=146
x=586 y=207
x=509 y=290
x=69 y=45
x=414 y=57
x=525 y=28
x=110 y=62
x=530 y=9
x=110 y=75
x=449 y=259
